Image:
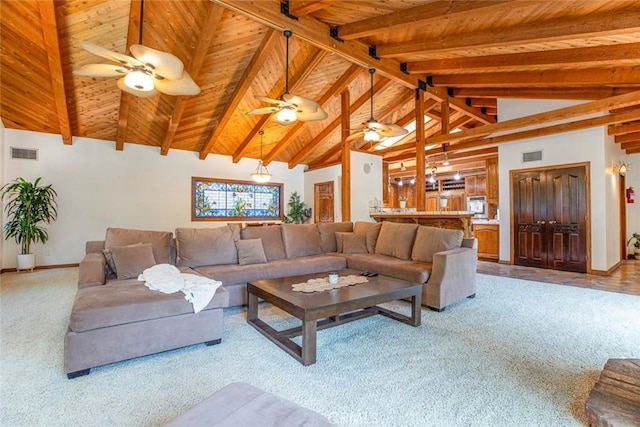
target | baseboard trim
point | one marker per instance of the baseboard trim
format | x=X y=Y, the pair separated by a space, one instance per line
x=607 y=272
x=40 y=267
x=504 y=262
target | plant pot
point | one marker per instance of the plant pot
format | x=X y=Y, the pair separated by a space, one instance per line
x=403 y=204
x=636 y=253
x=26 y=262
x=444 y=203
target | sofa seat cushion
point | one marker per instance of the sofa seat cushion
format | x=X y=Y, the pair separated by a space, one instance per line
x=125 y=301
x=411 y=271
x=238 y=274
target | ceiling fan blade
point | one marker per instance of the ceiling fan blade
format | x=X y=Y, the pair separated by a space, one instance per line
x=302 y=103
x=165 y=64
x=135 y=92
x=108 y=54
x=305 y=116
x=178 y=87
x=101 y=70
x=263 y=110
x=278 y=102
x=356 y=135
x=391 y=129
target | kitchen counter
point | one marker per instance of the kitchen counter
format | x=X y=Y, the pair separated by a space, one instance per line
x=457 y=220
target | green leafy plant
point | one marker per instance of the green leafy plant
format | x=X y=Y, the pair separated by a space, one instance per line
x=297 y=209
x=637 y=243
x=29 y=205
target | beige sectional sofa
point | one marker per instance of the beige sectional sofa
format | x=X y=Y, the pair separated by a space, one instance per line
x=116 y=317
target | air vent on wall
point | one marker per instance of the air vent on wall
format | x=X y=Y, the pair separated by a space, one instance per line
x=532 y=156
x=24 y=153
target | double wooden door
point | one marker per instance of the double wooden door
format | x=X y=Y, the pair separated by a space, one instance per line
x=550 y=219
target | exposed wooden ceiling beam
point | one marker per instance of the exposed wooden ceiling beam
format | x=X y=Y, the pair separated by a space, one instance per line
x=206 y=37
x=262 y=53
x=50 y=32
x=597 y=106
x=295 y=82
x=563 y=29
x=586 y=93
x=629 y=137
x=339 y=86
x=621 y=76
x=452 y=155
x=303 y=8
x=133 y=32
x=624 y=128
x=418 y=16
x=609 y=56
x=631 y=145
x=317 y=33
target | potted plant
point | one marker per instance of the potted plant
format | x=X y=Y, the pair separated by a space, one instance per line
x=297 y=210
x=444 y=200
x=636 y=245
x=28 y=205
x=403 y=202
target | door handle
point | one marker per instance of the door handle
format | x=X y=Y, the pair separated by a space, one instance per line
x=552 y=222
x=540 y=222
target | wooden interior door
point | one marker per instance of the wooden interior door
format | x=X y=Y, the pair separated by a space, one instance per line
x=550 y=219
x=323 y=202
x=566 y=222
x=529 y=214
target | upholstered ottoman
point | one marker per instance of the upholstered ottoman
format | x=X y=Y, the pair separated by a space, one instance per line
x=240 y=404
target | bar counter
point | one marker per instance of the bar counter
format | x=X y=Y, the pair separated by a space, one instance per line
x=457 y=220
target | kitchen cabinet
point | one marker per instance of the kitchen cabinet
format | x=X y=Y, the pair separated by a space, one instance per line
x=432 y=202
x=488 y=236
x=475 y=185
x=492 y=180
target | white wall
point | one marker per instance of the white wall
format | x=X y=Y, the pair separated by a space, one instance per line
x=587 y=145
x=633 y=210
x=364 y=186
x=99 y=187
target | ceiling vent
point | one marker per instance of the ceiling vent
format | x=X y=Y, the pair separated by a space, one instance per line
x=24 y=153
x=532 y=156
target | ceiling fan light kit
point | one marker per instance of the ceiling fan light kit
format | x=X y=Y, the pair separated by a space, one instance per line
x=290 y=108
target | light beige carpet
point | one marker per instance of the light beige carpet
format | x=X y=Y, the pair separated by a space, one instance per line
x=520 y=353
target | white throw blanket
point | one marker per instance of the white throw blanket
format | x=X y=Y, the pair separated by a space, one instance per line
x=167 y=279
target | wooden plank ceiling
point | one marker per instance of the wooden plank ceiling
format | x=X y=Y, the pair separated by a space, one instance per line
x=462 y=54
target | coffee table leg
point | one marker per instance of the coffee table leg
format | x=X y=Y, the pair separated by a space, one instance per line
x=252 y=307
x=416 y=309
x=309 y=330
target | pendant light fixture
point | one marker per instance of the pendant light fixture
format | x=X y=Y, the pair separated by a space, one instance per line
x=261 y=174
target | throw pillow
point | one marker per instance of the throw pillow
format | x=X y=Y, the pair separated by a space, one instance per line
x=430 y=240
x=271 y=240
x=108 y=257
x=300 y=240
x=340 y=240
x=396 y=239
x=370 y=230
x=354 y=244
x=130 y=261
x=207 y=246
x=250 y=252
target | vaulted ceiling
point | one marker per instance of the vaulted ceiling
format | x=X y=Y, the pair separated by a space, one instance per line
x=448 y=60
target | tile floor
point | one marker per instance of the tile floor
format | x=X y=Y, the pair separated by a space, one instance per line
x=625 y=279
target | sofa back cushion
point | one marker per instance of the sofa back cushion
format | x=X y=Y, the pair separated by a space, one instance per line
x=430 y=240
x=301 y=240
x=396 y=239
x=160 y=241
x=271 y=236
x=131 y=261
x=207 y=246
x=250 y=251
x=328 y=232
x=370 y=230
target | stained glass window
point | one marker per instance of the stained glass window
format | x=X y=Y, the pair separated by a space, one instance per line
x=216 y=199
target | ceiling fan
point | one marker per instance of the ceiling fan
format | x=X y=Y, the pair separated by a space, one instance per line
x=290 y=108
x=374 y=131
x=144 y=74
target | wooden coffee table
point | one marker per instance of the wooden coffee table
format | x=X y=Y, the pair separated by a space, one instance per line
x=321 y=310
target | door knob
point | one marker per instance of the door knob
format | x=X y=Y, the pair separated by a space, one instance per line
x=552 y=222
x=540 y=222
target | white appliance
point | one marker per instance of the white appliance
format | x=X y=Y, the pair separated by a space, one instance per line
x=477 y=205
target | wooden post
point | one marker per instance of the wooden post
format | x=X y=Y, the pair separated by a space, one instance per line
x=385 y=183
x=420 y=166
x=346 y=155
x=444 y=117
